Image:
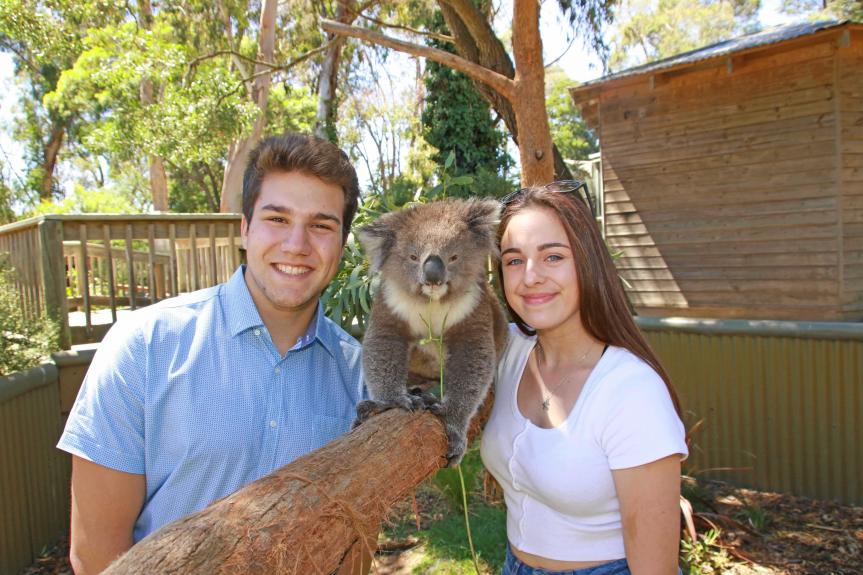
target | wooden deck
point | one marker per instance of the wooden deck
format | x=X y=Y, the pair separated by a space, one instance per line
x=82 y=270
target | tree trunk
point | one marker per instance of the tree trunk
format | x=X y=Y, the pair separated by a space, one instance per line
x=325 y=123
x=476 y=41
x=318 y=514
x=52 y=150
x=238 y=152
x=158 y=176
x=516 y=93
x=534 y=142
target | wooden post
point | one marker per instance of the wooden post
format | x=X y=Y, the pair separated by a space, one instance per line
x=54 y=277
x=318 y=514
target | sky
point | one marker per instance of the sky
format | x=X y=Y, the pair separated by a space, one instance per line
x=578 y=62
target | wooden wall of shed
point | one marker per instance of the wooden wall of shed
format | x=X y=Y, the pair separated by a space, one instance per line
x=722 y=188
x=849 y=67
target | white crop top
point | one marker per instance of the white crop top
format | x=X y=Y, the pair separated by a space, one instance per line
x=557 y=483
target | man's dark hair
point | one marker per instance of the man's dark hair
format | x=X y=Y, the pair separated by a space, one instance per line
x=301 y=153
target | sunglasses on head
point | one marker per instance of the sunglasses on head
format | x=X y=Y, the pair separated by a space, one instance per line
x=562 y=186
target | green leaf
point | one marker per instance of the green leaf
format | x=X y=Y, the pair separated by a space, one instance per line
x=464 y=180
x=449 y=160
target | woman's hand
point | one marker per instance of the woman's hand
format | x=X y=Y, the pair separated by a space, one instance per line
x=650 y=509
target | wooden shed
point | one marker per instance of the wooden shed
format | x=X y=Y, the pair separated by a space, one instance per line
x=733 y=175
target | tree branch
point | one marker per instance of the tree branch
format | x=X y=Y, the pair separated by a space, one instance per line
x=234 y=54
x=317 y=514
x=435 y=35
x=497 y=81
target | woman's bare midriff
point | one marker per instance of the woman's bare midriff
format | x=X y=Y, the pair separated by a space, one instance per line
x=552 y=564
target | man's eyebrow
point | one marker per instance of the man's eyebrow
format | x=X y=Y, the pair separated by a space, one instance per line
x=285 y=210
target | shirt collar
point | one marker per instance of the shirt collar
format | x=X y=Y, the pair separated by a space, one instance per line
x=242 y=314
x=240 y=309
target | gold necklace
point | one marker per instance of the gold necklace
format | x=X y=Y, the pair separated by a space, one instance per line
x=546 y=400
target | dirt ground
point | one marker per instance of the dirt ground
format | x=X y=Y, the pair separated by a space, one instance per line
x=795 y=536
x=798 y=536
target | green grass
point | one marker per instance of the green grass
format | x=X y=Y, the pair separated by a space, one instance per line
x=444 y=544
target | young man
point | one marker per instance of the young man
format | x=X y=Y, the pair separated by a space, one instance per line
x=190 y=399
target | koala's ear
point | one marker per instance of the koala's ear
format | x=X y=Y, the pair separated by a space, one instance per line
x=377 y=239
x=483 y=217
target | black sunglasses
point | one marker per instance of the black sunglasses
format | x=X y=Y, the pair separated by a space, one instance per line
x=562 y=186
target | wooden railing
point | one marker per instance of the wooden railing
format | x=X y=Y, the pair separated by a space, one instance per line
x=92 y=266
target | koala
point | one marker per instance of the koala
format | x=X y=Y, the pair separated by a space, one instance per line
x=432 y=261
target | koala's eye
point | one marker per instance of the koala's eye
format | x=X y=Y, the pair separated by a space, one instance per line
x=453 y=258
x=414 y=257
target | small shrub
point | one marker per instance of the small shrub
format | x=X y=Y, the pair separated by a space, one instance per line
x=756 y=517
x=705 y=555
x=25 y=342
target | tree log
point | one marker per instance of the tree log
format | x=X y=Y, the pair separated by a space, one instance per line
x=319 y=514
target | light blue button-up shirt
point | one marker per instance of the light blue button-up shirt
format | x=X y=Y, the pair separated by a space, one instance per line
x=192 y=393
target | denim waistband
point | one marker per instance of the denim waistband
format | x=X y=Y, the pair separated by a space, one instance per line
x=514 y=566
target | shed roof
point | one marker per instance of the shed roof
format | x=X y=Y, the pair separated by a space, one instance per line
x=765 y=37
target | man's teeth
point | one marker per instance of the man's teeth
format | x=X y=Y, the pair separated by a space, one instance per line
x=291 y=270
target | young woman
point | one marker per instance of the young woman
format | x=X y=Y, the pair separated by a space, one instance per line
x=585 y=435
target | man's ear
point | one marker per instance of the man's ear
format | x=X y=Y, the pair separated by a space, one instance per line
x=244 y=231
x=377 y=239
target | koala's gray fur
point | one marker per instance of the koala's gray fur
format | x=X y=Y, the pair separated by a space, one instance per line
x=432 y=259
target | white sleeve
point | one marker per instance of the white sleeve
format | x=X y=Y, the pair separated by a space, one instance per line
x=641 y=425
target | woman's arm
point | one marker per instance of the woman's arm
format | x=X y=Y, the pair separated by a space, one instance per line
x=649 y=498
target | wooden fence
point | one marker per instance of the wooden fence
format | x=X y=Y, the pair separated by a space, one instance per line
x=782 y=403
x=96 y=265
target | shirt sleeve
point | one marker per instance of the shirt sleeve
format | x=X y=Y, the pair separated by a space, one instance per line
x=106 y=424
x=642 y=424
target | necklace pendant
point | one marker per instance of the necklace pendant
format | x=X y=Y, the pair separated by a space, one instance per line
x=545 y=403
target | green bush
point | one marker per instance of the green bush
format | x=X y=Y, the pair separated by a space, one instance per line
x=25 y=342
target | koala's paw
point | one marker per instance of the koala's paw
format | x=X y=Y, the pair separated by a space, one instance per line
x=370 y=407
x=427 y=401
x=456 y=448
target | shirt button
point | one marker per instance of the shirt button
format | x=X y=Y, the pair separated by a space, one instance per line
x=257 y=331
x=273 y=423
x=278 y=370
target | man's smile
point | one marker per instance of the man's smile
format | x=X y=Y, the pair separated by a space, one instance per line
x=292 y=270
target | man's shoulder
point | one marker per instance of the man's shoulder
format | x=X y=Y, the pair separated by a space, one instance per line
x=341 y=337
x=173 y=313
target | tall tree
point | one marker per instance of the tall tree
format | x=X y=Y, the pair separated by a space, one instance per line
x=239 y=150
x=158 y=176
x=648 y=30
x=456 y=118
x=824 y=9
x=568 y=130
x=325 y=119
x=45 y=37
x=515 y=92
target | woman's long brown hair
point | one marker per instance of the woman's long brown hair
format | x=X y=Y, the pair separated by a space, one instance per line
x=602 y=305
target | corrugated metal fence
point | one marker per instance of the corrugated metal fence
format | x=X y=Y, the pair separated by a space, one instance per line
x=782 y=401
x=34 y=475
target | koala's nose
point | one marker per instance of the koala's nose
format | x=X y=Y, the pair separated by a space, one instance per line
x=433 y=270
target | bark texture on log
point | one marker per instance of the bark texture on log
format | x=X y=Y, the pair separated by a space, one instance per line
x=318 y=514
